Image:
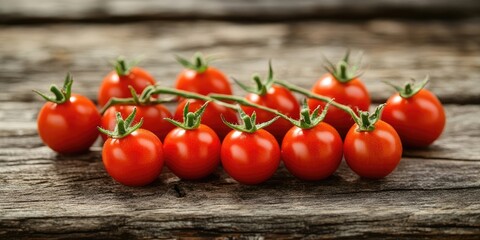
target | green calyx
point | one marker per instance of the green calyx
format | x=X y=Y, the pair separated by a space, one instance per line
x=123 y=128
x=366 y=121
x=249 y=124
x=310 y=120
x=123 y=67
x=60 y=95
x=343 y=71
x=199 y=63
x=260 y=87
x=410 y=88
x=191 y=120
x=145 y=98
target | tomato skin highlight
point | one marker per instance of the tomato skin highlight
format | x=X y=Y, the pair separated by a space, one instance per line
x=153 y=118
x=373 y=154
x=210 y=81
x=312 y=154
x=114 y=85
x=352 y=93
x=192 y=154
x=279 y=98
x=135 y=160
x=211 y=116
x=418 y=120
x=70 y=127
x=250 y=158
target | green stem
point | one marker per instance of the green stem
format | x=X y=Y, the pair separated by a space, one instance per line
x=121 y=127
x=190 y=121
x=248 y=123
x=408 y=89
x=310 y=94
x=180 y=93
x=117 y=101
x=261 y=89
x=58 y=94
x=131 y=101
x=364 y=117
x=136 y=100
x=192 y=95
x=343 y=71
x=306 y=116
x=198 y=63
x=123 y=66
x=243 y=101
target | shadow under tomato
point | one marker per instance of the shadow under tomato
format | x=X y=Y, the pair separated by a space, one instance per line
x=84 y=177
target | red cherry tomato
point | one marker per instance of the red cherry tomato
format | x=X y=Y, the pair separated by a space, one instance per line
x=352 y=93
x=312 y=154
x=153 y=118
x=278 y=98
x=250 y=158
x=69 y=127
x=211 y=80
x=114 y=85
x=373 y=154
x=192 y=154
x=134 y=160
x=211 y=116
x=419 y=120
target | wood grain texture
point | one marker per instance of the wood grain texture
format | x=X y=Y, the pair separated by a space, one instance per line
x=35 y=57
x=15 y=11
x=458 y=142
x=44 y=195
x=433 y=194
x=419 y=200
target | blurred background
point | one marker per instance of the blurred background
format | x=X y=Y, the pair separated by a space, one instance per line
x=42 y=40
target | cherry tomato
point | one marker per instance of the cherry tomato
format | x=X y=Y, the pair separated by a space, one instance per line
x=250 y=158
x=192 y=154
x=312 y=154
x=352 y=93
x=115 y=85
x=211 y=116
x=211 y=80
x=373 y=154
x=69 y=127
x=419 y=120
x=278 y=98
x=134 y=160
x=152 y=115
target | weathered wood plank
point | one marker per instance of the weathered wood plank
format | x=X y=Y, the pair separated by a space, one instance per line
x=433 y=194
x=34 y=57
x=458 y=142
x=74 y=197
x=109 y=10
x=44 y=195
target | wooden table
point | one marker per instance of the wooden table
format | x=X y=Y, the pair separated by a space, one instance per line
x=434 y=192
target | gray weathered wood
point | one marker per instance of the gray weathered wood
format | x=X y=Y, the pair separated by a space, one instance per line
x=44 y=195
x=18 y=129
x=434 y=193
x=74 y=197
x=109 y=10
x=35 y=57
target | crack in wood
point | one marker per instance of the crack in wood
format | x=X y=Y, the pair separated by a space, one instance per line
x=180 y=192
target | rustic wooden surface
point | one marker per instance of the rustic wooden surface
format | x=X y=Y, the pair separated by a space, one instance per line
x=434 y=193
x=23 y=11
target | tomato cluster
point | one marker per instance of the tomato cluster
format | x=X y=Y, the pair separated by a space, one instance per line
x=210 y=126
